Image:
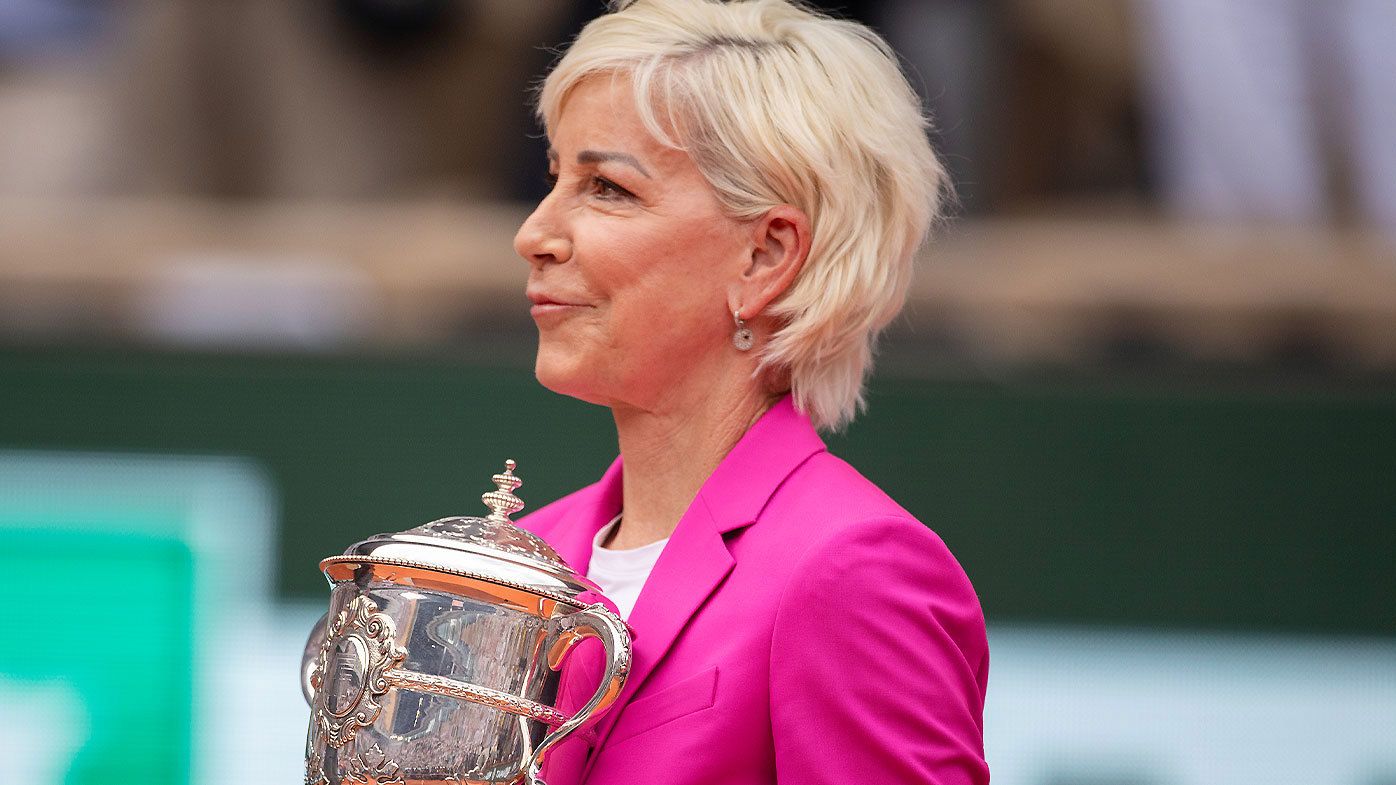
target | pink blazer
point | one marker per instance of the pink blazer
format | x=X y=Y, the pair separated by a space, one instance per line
x=800 y=627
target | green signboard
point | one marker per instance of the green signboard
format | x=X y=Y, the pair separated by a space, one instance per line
x=129 y=575
x=100 y=623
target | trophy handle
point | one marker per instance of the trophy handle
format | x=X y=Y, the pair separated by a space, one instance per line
x=595 y=621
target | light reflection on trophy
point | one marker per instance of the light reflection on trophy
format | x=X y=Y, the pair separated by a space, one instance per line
x=438 y=660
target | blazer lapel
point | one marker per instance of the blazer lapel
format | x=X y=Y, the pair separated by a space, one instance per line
x=696 y=560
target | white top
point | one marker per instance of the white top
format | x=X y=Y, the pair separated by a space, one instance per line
x=621 y=574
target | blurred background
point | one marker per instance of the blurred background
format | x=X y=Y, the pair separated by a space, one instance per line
x=258 y=300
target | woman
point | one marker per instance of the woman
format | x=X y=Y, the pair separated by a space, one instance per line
x=739 y=192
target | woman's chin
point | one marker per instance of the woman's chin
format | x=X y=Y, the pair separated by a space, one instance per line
x=565 y=376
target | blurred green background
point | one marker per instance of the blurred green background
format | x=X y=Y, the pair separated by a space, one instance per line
x=1175 y=502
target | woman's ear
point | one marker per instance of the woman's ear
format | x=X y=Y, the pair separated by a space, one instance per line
x=780 y=246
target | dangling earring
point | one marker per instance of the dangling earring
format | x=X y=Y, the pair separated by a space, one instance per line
x=742 y=338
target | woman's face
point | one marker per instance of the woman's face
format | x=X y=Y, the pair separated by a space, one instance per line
x=631 y=260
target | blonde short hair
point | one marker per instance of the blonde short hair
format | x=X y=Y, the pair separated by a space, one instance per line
x=778 y=104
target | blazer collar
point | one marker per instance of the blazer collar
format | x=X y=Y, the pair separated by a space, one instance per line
x=741 y=485
x=697 y=560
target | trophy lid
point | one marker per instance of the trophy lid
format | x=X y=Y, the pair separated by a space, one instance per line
x=490 y=549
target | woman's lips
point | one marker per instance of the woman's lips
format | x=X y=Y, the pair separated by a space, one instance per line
x=542 y=309
x=549 y=308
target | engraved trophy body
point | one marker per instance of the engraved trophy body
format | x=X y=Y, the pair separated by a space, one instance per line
x=439 y=659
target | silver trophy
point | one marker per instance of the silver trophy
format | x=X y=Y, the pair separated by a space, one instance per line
x=439 y=659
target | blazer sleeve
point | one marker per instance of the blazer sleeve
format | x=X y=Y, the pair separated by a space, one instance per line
x=879 y=662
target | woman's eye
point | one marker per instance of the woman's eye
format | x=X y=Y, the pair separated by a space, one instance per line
x=605 y=189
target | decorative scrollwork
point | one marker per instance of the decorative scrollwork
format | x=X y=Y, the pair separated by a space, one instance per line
x=349 y=677
x=315 y=769
x=315 y=758
x=373 y=767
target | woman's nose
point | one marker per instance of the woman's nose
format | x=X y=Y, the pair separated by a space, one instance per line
x=540 y=240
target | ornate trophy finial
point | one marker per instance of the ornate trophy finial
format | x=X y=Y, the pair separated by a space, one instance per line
x=502 y=501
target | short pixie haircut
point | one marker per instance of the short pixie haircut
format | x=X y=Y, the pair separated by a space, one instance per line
x=779 y=104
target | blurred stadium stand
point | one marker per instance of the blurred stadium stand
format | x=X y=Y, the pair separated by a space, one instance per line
x=1062 y=288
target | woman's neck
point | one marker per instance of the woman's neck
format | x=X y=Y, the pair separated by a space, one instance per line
x=670 y=452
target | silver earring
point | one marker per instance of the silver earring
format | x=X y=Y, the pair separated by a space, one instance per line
x=742 y=338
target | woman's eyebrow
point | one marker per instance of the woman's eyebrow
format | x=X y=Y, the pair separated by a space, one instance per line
x=598 y=156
